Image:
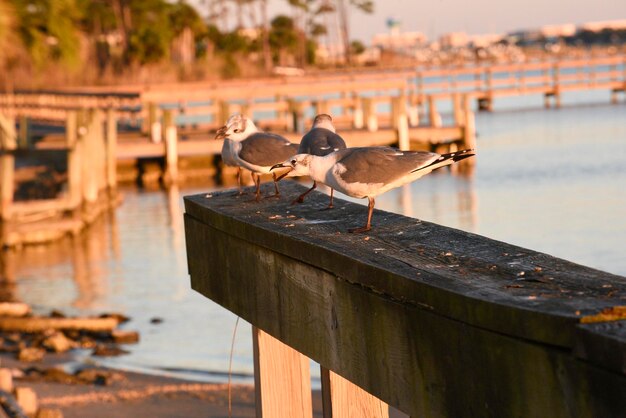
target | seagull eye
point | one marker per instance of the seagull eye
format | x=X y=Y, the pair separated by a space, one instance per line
x=293 y=162
x=237 y=131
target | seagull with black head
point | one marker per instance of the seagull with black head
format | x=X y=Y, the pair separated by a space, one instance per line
x=367 y=172
x=245 y=146
x=321 y=140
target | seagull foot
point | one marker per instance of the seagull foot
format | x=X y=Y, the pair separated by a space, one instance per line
x=329 y=207
x=300 y=199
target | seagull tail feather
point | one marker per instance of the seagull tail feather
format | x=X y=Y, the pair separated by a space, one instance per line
x=447 y=159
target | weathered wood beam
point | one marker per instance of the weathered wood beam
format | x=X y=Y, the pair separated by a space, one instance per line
x=431 y=320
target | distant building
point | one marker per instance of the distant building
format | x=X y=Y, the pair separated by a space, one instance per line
x=453 y=40
x=607 y=24
x=524 y=37
x=330 y=54
x=397 y=40
x=558 y=31
x=484 y=40
x=370 y=56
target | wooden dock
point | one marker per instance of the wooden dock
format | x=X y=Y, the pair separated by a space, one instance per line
x=88 y=184
x=273 y=100
x=384 y=107
x=433 y=321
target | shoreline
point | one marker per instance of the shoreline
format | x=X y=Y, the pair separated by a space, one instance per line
x=126 y=393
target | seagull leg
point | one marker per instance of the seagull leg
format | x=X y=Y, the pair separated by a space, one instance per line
x=239 y=181
x=257 y=181
x=277 y=194
x=330 y=204
x=300 y=198
x=368 y=226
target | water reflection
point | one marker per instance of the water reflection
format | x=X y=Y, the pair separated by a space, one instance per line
x=71 y=268
x=447 y=193
x=555 y=193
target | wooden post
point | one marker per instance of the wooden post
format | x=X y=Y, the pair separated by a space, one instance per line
x=556 y=70
x=341 y=398
x=395 y=103
x=282 y=115
x=295 y=109
x=154 y=122
x=489 y=82
x=357 y=118
x=614 y=93
x=22 y=137
x=8 y=143
x=458 y=111
x=546 y=100
x=74 y=158
x=98 y=156
x=246 y=108
x=88 y=138
x=401 y=122
x=111 y=150
x=419 y=83
x=171 y=149
x=282 y=380
x=434 y=116
x=321 y=106
x=469 y=134
x=223 y=111
x=413 y=110
x=369 y=114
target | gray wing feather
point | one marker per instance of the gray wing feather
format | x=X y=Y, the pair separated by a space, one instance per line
x=321 y=141
x=381 y=164
x=264 y=149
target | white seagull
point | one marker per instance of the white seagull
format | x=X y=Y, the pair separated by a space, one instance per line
x=245 y=146
x=369 y=171
x=321 y=140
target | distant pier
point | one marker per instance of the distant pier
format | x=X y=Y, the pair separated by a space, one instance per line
x=163 y=128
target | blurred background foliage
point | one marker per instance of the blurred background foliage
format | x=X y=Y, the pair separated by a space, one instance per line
x=109 y=41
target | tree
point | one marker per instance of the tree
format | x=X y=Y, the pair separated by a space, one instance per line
x=283 y=38
x=49 y=30
x=366 y=6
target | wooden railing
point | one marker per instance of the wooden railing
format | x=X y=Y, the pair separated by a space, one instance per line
x=433 y=321
x=275 y=101
x=89 y=148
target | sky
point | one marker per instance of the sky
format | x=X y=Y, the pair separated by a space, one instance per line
x=436 y=17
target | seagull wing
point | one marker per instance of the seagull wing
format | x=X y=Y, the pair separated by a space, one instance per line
x=376 y=165
x=321 y=141
x=263 y=149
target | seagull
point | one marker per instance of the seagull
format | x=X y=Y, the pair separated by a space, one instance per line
x=369 y=171
x=321 y=140
x=245 y=146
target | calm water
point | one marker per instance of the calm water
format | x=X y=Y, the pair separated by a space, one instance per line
x=553 y=181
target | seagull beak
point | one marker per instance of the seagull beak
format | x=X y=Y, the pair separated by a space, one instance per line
x=281 y=165
x=221 y=132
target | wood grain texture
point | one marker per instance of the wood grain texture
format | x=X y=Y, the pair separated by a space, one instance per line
x=282 y=379
x=474 y=279
x=343 y=399
x=431 y=320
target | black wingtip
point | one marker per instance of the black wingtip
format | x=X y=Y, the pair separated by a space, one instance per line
x=457 y=155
